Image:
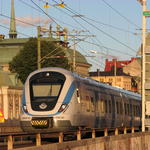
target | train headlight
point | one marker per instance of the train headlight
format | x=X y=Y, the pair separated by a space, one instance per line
x=25 y=108
x=63 y=107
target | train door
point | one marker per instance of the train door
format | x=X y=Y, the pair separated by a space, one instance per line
x=110 y=110
x=113 y=122
x=102 y=108
x=92 y=105
x=119 y=110
x=126 y=106
x=122 y=110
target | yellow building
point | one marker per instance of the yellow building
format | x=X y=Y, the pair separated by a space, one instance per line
x=121 y=80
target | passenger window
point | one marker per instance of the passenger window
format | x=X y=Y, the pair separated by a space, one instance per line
x=117 y=106
x=120 y=108
x=109 y=106
x=128 y=107
x=125 y=108
x=106 y=106
x=88 y=103
x=92 y=103
x=131 y=109
x=102 y=106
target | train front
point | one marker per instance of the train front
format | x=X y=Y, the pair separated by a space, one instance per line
x=47 y=93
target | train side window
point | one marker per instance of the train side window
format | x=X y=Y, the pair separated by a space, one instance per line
x=128 y=108
x=138 y=111
x=92 y=103
x=102 y=106
x=134 y=110
x=125 y=108
x=117 y=106
x=88 y=103
x=109 y=106
x=131 y=109
x=120 y=108
x=106 y=106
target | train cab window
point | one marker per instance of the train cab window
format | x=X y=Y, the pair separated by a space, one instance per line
x=45 y=88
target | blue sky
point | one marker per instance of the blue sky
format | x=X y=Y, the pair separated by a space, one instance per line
x=114 y=23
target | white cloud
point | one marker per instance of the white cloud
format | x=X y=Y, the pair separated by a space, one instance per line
x=27 y=21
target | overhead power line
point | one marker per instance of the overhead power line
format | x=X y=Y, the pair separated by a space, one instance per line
x=121 y=14
x=22 y=1
x=110 y=36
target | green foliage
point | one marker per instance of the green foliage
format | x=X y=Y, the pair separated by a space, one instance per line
x=26 y=61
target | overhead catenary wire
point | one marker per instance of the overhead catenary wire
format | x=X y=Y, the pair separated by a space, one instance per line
x=42 y=12
x=129 y=21
x=93 y=26
x=110 y=36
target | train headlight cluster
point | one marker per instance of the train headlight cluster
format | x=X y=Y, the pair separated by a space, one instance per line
x=63 y=107
x=25 y=108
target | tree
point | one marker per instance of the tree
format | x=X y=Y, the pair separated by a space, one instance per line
x=26 y=61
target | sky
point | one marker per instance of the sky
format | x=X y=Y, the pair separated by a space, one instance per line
x=109 y=28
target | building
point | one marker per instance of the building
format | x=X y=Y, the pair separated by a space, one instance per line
x=116 y=74
x=110 y=65
x=121 y=79
x=10 y=95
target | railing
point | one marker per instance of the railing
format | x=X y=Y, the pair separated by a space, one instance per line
x=9 y=137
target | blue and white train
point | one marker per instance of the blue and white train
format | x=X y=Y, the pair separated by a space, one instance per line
x=55 y=99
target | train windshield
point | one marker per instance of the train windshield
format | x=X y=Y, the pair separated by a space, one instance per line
x=45 y=89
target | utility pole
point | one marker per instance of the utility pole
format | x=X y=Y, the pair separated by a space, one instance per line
x=143 y=63
x=74 y=45
x=143 y=55
x=38 y=47
x=115 y=70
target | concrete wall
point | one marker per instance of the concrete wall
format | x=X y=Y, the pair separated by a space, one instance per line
x=137 y=141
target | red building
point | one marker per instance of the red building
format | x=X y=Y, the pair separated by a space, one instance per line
x=109 y=65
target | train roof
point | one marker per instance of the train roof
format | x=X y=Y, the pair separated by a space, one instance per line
x=87 y=80
x=105 y=85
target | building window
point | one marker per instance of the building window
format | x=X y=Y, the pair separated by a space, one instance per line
x=110 y=80
x=101 y=80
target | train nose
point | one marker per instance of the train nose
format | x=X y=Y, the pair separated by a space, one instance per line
x=42 y=123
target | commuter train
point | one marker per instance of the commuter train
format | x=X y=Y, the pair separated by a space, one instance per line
x=55 y=99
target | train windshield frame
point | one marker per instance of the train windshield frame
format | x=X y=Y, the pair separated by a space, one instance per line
x=45 y=88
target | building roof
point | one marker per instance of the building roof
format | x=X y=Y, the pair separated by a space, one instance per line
x=109 y=65
x=78 y=56
x=106 y=73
